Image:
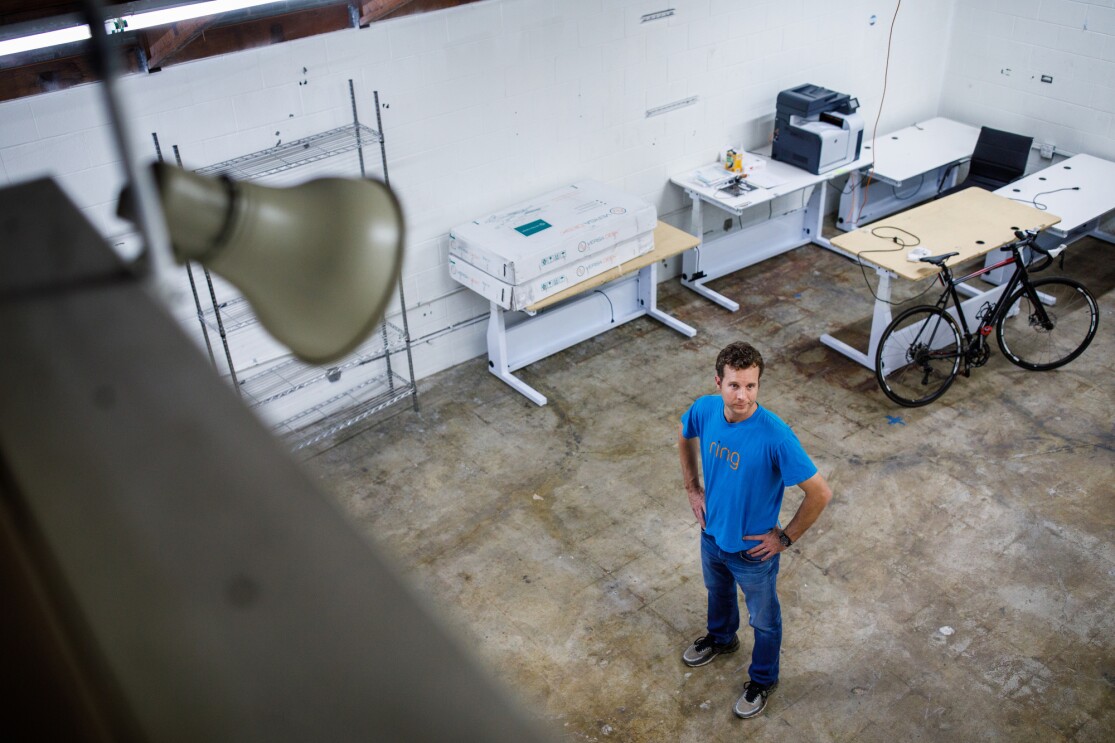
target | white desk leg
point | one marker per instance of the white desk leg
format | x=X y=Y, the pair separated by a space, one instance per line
x=849 y=200
x=813 y=222
x=710 y=295
x=691 y=260
x=880 y=319
x=648 y=298
x=497 y=356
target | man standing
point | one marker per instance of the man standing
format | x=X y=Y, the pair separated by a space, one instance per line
x=748 y=456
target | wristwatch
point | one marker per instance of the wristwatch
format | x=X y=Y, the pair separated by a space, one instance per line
x=785 y=539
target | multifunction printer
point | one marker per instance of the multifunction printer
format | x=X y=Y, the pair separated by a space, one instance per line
x=816 y=129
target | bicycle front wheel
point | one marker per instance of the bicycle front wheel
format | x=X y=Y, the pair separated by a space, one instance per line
x=1048 y=324
x=918 y=356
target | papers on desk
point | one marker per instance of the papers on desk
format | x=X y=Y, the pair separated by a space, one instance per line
x=713 y=176
x=765 y=179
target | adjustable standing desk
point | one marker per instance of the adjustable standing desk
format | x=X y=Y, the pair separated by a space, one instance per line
x=745 y=247
x=584 y=310
x=972 y=222
x=1080 y=189
x=908 y=168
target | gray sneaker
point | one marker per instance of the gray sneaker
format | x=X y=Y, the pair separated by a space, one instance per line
x=704 y=649
x=754 y=699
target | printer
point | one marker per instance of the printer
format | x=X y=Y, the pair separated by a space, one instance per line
x=816 y=129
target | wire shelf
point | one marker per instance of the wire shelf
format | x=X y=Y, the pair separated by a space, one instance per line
x=300 y=152
x=236 y=313
x=344 y=415
x=291 y=375
x=329 y=399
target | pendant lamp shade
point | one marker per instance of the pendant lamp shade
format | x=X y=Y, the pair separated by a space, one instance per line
x=317 y=262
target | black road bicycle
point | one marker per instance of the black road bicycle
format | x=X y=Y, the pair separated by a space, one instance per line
x=1040 y=324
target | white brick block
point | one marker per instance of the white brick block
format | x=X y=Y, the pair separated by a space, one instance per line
x=531 y=74
x=295 y=61
x=662 y=41
x=434 y=283
x=94 y=186
x=17 y=123
x=605 y=28
x=360 y=45
x=477 y=20
x=151 y=94
x=267 y=106
x=57 y=113
x=522 y=13
x=481 y=55
x=54 y=156
x=423 y=256
x=1063 y=12
x=1101 y=20
x=1017 y=8
x=220 y=77
x=1102 y=99
x=416 y=34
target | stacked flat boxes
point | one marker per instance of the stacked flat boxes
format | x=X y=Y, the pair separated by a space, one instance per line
x=518 y=256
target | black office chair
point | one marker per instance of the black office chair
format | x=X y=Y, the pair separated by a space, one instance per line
x=1000 y=158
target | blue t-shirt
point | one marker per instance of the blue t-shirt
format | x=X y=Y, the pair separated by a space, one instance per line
x=747 y=466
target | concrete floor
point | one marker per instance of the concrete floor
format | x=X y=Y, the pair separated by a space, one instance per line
x=558 y=543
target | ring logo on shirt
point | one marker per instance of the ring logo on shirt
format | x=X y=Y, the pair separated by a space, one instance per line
x=722 y=452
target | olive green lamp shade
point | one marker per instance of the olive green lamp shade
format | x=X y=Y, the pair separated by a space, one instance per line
x=317 y=262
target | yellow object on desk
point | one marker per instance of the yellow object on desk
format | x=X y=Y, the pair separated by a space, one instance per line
x=971 y=223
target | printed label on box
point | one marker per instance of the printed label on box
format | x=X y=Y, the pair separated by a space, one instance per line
x=531 y=228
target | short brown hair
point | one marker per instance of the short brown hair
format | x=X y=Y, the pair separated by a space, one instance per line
x=739 y=355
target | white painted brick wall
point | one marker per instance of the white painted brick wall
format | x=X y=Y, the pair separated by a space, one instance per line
x=493 y=102
x=1001 y=50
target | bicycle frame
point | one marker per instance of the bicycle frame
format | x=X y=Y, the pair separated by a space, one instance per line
x=988 y=320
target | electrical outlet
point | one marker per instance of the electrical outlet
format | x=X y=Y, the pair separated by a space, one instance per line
x=1047 y=78
x=1047 y=151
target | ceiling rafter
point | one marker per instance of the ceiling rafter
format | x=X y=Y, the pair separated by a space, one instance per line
x=48 y=70
x=164 y=42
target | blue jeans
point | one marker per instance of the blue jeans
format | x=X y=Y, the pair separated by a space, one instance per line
x=758 y=579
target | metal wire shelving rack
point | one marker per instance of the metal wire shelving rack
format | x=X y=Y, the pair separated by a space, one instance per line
x=314 y=404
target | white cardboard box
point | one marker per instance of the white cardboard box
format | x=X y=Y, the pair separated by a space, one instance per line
x=527 y=240
x=518 y=296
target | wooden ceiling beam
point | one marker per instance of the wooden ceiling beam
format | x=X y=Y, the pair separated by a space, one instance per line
x=378 y=10
x=53 y=75
x=215 y=39
x=185 y=41
x=166 y=41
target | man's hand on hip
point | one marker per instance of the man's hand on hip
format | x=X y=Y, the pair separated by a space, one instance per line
x=768 y=545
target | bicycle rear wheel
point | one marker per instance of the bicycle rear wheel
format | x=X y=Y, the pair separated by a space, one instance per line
x=918 y=356
x=1041 y=335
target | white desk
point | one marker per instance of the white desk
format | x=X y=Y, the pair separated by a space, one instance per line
x=757 y=242
x=908 y=168
x=619 y=295
x=972 y=222
x=1080 y=190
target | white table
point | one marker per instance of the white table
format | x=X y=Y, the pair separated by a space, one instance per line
x=756 y=242
x=584 y=310
x=908 y=167
x=972 y=222
x=1080 y=190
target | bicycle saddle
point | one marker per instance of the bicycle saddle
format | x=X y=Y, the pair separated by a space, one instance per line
x=938 y=260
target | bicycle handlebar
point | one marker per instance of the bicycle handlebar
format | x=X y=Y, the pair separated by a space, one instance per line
x=1028 y=239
